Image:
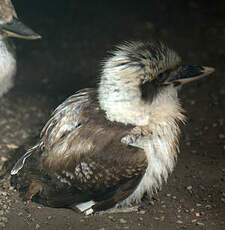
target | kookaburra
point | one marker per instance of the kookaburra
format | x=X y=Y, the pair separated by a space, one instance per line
x=10 y=26
x=107 y=147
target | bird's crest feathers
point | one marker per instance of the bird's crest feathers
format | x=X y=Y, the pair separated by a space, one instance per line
x=151 y=58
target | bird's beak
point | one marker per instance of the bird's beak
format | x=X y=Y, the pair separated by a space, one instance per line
x=15 y=28
x=188 y=73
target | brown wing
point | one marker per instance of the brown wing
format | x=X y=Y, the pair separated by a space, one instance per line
x=84 y=150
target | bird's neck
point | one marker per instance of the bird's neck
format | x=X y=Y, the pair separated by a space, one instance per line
x=119 y=99
x=122 y=101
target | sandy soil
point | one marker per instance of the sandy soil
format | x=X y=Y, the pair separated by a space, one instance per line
x=76 y=37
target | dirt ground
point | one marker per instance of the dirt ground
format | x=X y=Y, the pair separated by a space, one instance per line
x=76 y=37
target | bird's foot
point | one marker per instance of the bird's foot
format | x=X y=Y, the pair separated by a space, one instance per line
x=141 y=131
x=138 y=137
x=86 y=207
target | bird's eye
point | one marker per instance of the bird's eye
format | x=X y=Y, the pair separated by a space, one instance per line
x=161 y=77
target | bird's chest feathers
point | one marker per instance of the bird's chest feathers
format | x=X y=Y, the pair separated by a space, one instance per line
x=7 y=61
x=161 y=152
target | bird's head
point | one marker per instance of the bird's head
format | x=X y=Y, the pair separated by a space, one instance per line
x=154 y=62
x=10 y=26
x=143 y=78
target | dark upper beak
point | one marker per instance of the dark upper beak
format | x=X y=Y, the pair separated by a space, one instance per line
x=188 y=73
x=15 y=28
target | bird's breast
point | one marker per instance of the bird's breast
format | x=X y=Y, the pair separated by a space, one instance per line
x=161 y=153
x=7 y=60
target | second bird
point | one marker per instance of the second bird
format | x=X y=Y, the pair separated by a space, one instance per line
x=10 y=26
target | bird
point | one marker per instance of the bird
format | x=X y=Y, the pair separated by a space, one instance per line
x=103 y=148
x=10 y=26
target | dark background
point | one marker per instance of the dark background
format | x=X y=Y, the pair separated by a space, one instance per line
x=76 y=36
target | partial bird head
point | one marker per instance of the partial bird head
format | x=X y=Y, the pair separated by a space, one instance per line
x=10 y=26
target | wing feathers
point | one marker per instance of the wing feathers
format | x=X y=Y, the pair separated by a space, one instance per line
x=82 y=150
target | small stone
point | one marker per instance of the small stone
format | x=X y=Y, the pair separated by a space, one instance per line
x=151 y=202
x=123 y=221
x=193 y=102
x=3 y=219
x=2 y=225
x=221 y=122
x=4 y=159
x=12 y=146
x=221 y=136
x=208 y=206
x=189 y=187
x=214 y=125
x=202 y=187
x=194 y=220
x=223 y=200
x=20 y=214
x=174 y=197
x=168 y=195
x=188 y=143
x=4 y=193
x=179 y=222
x=198 y=205
x=37 y=226
x=49 y=217
x=102 y=229
x=200 y=224
x=142 y=212
x=140 y=218
x=11 y=188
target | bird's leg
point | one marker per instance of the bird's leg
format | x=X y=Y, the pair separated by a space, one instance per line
x=141 y=131
x=138 y=136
